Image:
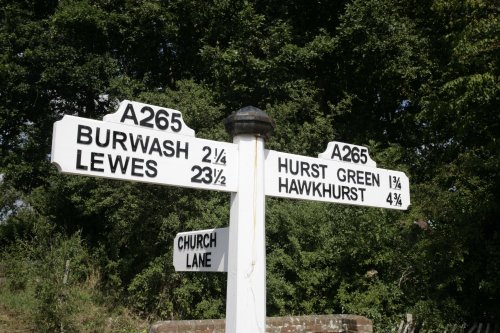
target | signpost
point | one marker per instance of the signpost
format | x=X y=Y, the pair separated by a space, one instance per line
x=201 y=251
x=152 y=144
x=113 y=150
x=300 y=177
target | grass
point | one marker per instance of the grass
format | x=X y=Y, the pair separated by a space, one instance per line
x=15 y=310
x=18 y=312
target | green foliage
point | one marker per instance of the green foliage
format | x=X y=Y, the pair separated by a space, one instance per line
x=46 y=267
x=414 y=81
x=300 y=235
x=373 y=299
x=50 y=282
x=158 y=291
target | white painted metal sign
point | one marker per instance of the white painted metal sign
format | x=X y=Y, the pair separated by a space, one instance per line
x=149 y=116
x=202 y=250
x=345 y=152
x=107 y=149
x=301 y=177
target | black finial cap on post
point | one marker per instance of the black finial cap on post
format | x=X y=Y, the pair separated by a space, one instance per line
x=249 y=120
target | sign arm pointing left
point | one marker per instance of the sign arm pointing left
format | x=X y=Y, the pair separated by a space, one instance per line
x=112 y=150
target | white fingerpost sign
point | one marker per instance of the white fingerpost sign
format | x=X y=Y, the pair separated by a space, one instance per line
x=112 y=150
x=152 y=144
x=301 y=177
x=202 y=250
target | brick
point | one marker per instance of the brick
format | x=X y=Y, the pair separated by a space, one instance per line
x=289 y=324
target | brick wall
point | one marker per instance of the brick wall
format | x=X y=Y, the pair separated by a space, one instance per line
x=298 y=324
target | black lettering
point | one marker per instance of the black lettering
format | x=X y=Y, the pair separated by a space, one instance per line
x=137 y=167
x=84 y=132
x=304 y=186
x=151 y=171
x=314 y=170
x=341 y=174
x=316 y=190
x=195 y=260
x=284 y=165
x=208 y=260
x=345 y=192
x=98 y=135
x=346 y=156
x=169 y=150
x=187 y=261
x=283 y=185
x=129 y=109
x=184 y=150
x=304 y=166
x=354 y=194
x=199 y=241
x=362 y=190
x=94 y=159
x=293 y=187
x=79 y=164
x=201 y=259
x=336 y=152
x=119 y=137
x=118 y=162
x=179 y=243
x=155 y=147
x=290 y=165
x=185 y=239
x=213 y=239
x=360 y=179
x=327 y=188
x=337 y=195
x=146 y=122
x=350 y=175
x=323 y=167
x=139 y=141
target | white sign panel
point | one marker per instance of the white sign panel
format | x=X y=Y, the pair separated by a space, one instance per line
x=106 y=149
x=201 y=251
x=345 y=152
x=149 y=116
x=301 y=177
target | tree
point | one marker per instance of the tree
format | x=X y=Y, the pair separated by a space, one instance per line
x=414 y=81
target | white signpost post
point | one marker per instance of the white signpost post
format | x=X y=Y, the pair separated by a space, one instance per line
x=152 y=144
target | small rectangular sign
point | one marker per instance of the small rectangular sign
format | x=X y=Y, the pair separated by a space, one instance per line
x=301 y=177
x=113 y=150
x=202 y=250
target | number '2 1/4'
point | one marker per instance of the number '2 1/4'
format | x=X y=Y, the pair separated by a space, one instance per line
x=161 y=119
x=350 y=154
